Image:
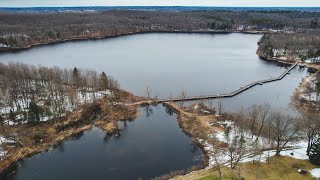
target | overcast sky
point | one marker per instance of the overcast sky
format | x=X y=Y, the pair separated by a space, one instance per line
x=254 y=3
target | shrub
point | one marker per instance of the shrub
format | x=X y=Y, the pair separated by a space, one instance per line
x=314 y=155
x=38 y=136
x=91 y=111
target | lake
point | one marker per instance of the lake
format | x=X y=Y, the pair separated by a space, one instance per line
x=200 y=64
x=153 y=144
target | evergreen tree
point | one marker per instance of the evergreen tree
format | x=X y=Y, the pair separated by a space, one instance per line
x=12 y=116
x=314 y=155
x=314 y=23
x=12 y=41
x=1 y=120
x=34 y=113
x=103 y=84
x=76 y=77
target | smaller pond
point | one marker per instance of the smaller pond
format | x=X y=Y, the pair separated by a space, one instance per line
x=150 y=146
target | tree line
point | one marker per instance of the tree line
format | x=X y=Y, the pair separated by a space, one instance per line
x=23 y=29
x=31 y=93
x=303 y=46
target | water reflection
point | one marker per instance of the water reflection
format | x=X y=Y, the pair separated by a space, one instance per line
x=197 y=63
x=60 y=146
x=169 y=111
x=143 y=148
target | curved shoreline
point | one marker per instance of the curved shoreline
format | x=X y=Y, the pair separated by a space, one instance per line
x=75 y=39
x=177 y=111
x=68 y=126
x=24 y=153
x=264 y=57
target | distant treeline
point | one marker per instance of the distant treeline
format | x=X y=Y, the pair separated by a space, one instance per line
x=23 y=29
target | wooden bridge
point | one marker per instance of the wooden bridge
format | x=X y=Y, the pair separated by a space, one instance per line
x=238 y=91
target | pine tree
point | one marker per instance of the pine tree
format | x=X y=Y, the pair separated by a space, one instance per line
x=103 y=85
x=76 y=77
x=34 y=112
x=12 y=116
x=1 y=120
x=314 y=155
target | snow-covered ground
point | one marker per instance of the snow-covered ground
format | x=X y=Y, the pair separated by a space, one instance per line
x=315 y=172
x=309 y=96
x=312 y=60
x=295 y=150
x=308 y=92
x=298 y=151
x=83 y=97
x=3 y=140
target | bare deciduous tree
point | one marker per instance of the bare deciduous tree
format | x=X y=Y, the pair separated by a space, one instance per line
x=148 y=91
x=236 y=150
x=264 y=114
x=253 y=114
x=310 y=126
x=183 y=96
x=220 y=108
x=282 y=128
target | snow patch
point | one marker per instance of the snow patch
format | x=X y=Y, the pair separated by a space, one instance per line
x=315 y=172
x=296 y=150
x=4 y=140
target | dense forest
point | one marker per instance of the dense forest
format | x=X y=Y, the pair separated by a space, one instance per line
x=70 y=97
x=32 y=94
x=20 y=30
x=298 y=46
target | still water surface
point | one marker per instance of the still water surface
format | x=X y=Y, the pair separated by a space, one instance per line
x=150 y=146
x=199 y=64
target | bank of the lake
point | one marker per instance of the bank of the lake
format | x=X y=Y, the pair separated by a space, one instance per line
x=299 y=100
x=97 y=37
x=265 y=57
x=304 y=98
x=145 y=147
x=31 y=139
x=213 y=60
x=163 y=72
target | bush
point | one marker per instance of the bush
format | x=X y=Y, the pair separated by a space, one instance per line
x=38 y=136
x=91 y=111
x=314 y=155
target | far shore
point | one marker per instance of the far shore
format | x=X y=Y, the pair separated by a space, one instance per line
x=75 y=39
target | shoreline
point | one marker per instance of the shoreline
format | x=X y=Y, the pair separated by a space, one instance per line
x=262 y=56
x=296 y=102
x=195 y=126
x=58 y=130
x=295 y=97
x=11 y=164
x=75 y=39
x=181 y=114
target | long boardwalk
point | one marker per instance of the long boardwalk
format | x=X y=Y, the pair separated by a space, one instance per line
x=238 y=91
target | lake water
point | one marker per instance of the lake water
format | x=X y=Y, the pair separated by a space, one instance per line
x=200 y=64
x=150 y=146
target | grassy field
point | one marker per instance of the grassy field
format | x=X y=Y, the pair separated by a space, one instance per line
x=281 y=167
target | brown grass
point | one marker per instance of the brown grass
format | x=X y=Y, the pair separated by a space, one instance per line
x=40 y=137
x=280 y=167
